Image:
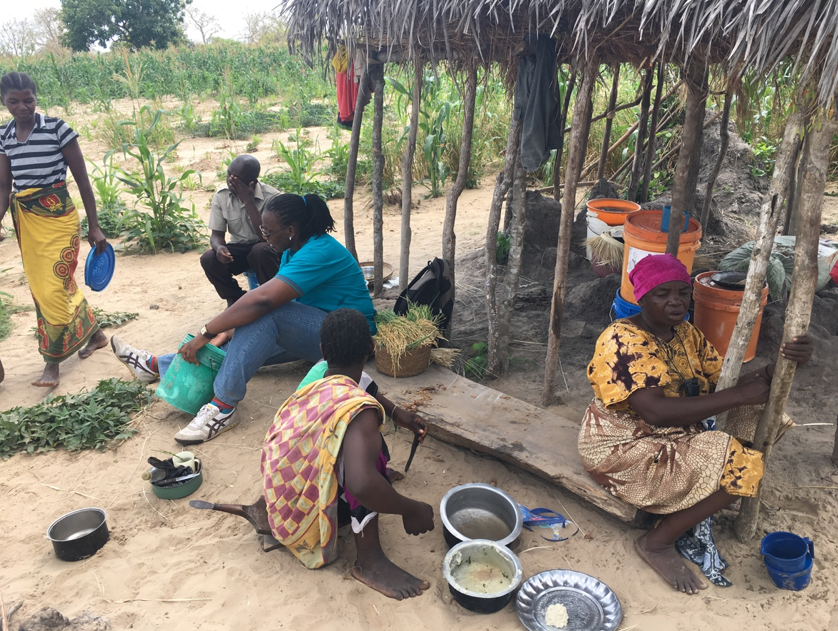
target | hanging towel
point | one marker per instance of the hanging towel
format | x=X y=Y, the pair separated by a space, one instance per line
x=537 y=101
x=347 y=87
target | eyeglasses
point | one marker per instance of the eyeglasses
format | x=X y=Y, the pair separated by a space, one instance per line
x=267 y=234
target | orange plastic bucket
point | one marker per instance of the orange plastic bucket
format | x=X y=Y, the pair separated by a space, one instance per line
x=642 y=235
x=611 y=211
x=716 y=311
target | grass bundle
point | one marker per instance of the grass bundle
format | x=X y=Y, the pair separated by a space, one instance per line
x=398 y=335
x=605 y=249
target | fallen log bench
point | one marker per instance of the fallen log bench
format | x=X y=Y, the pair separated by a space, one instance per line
x=468 y=414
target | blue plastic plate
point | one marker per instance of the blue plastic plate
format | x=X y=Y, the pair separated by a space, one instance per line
x=99 y=268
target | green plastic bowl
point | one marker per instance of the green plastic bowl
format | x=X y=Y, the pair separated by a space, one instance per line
x=182 y=490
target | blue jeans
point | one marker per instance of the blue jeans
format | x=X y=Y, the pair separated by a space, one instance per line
x=286 y=334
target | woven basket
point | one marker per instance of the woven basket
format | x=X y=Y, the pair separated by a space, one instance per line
x=411 y=363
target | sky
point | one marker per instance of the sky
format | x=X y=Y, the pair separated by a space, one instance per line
x=227 y=13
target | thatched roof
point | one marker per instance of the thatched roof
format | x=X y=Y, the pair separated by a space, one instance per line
x=740 y=34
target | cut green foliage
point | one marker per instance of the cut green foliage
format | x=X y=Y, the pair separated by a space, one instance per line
x=74 y=421
x=113 y=318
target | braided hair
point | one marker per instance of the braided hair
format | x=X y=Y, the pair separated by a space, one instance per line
x=17 y=81
x=309 y=213
x=345 y=338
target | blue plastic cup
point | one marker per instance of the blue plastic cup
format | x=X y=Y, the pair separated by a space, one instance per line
x=787 y=552
x=665 y=219
x=793 y=581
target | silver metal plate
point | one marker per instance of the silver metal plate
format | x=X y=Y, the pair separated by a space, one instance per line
x=591 y=605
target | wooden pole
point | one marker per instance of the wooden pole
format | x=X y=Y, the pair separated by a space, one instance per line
x=377 y=75
x=769 y=217
x=352 y=163
x=695 y=76
x=653 y=132
x=724 y=135
x=642 y=131
x=407 y=174
x=449 y=239
x=609 y=121
x=815 y=161
x=557 y=162
x=494 y=355
x=575 y=157
x=507 y=289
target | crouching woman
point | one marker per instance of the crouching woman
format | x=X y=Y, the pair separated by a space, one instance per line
x=323 y=466
x=647 y=438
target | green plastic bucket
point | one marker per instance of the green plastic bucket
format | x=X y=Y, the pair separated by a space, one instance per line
x=189 y=387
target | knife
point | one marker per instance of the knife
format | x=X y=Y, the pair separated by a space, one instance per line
x=413 y=450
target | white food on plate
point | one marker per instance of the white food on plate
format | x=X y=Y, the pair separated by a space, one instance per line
x=556 y=616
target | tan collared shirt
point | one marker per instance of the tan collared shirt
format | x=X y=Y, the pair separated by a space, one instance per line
x=228 y=214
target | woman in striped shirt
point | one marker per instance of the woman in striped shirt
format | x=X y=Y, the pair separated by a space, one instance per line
x=35 y=151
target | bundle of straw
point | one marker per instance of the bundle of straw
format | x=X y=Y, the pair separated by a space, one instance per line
x=418 y=328
x=605 y=249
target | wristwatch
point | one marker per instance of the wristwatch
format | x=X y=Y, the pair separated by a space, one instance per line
x=206 y=333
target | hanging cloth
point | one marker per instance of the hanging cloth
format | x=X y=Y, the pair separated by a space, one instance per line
x=536 y=102
x=347 y=87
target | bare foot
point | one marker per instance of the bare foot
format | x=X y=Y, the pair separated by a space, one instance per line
x=97 y=340
x=380 y=573
x=50 y=377
x=395 y=476
x=669 y=564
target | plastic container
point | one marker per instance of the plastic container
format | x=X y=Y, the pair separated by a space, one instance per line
x=602 y=216
x=623 y=308
x=716 y=311
x=786 y=551
x=793 y=581
x=189 y=387
x=642 y=235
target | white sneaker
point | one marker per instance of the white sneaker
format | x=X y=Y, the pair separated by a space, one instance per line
x=135 y=359
x=207 y=424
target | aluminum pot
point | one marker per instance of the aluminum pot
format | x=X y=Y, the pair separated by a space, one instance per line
x=79 y=534
x=482 y=551
x=480 y=511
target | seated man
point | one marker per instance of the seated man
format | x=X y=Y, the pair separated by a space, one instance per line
x=237 y=209
x=323 y=460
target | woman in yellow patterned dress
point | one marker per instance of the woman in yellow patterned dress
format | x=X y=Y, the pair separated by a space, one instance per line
x=645 y=436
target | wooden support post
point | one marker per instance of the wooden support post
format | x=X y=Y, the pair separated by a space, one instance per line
x=609 y=121
x=407 y=174
x=815 y=162
x=352 y=164
x=769 y=217
x=507 y=290
x=377 y=75
x=686 y=169
x=557 y=162
x=642 y=130
x=449 y=239
x=495 y=354
x=575 y=157
x=724 y=135
x=835 y=445
x=653 y=132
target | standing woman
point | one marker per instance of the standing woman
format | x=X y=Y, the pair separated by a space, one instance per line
x=35 y=151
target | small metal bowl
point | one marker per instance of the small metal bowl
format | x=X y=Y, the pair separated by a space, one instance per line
x=497 y=558
x=79 y=534
x=480 y=511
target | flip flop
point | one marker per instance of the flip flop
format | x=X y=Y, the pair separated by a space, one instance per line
x=546 y=518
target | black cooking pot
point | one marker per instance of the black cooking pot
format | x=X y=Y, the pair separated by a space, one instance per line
x=79 y=534
x=481 y=550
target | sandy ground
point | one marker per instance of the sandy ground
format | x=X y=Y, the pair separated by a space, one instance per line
x=168 y=566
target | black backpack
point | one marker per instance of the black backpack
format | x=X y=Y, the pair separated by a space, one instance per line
x=432 y=287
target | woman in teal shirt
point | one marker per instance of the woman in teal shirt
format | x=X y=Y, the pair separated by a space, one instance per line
x=279 y=321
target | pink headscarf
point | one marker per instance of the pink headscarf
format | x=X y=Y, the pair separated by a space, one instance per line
x=654 y=270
